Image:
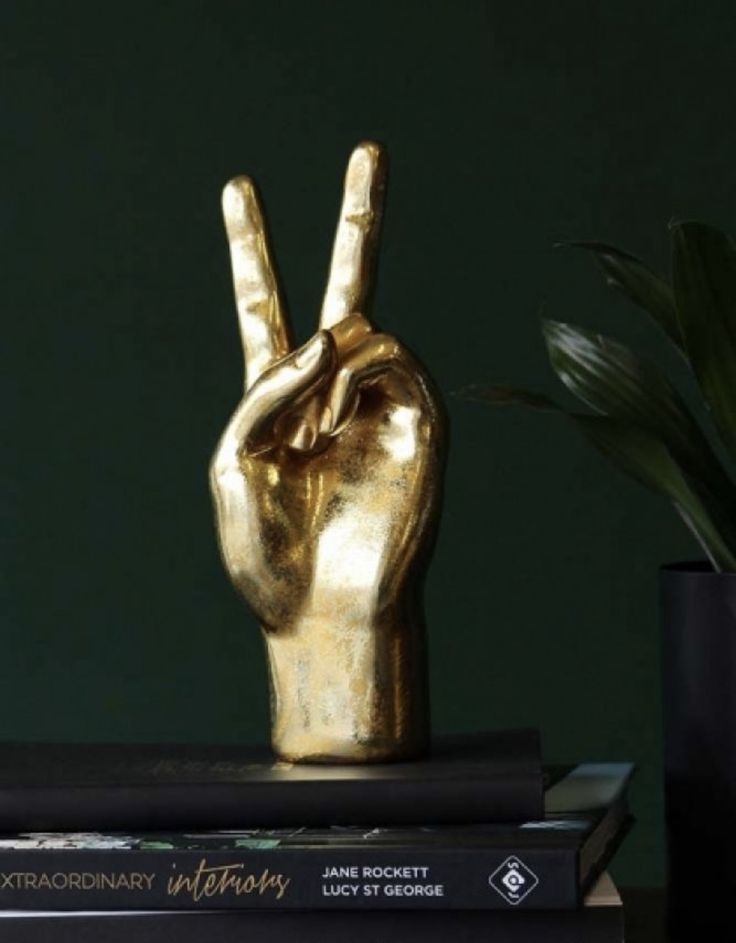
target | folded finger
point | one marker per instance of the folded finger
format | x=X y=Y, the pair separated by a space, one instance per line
x=379 y=359
x=279 y=389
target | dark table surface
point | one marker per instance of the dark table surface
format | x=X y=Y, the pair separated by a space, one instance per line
x=644 y=908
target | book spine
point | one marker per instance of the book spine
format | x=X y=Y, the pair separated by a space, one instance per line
x=175 y=807
x=308 y=878
x=588 y=925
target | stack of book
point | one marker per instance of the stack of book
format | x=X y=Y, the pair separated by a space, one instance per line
x=113 y=843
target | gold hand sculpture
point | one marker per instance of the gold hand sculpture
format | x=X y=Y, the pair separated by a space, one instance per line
x=327 y=485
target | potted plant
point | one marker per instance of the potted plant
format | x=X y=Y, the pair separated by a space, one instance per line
x=639 y=420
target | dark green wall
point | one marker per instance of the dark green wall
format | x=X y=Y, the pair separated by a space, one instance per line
x=510 y=126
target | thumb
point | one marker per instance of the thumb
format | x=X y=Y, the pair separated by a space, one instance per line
x=282 y=386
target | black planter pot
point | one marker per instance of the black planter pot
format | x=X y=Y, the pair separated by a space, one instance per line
x=699 y=686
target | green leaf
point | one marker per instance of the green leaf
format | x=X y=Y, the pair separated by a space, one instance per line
x=614 y=381
x=645 y=457
x=704 y=276
x=638 y=283
x=501 y=395
x=610 y=378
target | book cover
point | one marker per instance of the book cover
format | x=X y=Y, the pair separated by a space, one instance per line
x=73 y=787
x=546 y=863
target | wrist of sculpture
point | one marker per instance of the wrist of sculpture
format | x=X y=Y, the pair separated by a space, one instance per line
x=348 y=693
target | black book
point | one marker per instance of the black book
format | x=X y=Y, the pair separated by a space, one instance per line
x=71 y=787
x=599 y=921
x=547 y=863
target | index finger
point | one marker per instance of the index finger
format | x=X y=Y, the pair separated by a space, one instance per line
x=263 y=325
x=356 y=241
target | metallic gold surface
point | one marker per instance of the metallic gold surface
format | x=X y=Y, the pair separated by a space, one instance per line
x=327 y=484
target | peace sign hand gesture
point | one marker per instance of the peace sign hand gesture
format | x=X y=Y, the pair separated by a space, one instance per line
x=326 y=486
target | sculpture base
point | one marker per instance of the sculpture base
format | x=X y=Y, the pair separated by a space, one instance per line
x=324 y=751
